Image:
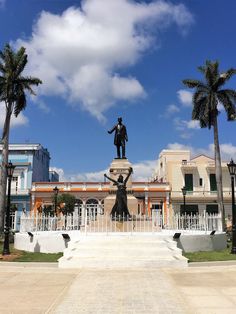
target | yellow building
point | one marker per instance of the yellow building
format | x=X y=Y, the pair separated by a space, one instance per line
x=198 y=176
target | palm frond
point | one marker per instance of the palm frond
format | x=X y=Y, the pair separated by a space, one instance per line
x=12 y=83
x=228 y=104
x=194 y=84
x=224 y=77
x=20 y=103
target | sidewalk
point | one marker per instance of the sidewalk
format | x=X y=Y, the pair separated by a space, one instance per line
x=194 y=290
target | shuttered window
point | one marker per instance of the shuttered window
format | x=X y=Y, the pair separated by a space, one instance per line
x=213 y=182
x=188 y=178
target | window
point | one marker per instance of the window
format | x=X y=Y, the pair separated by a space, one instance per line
x=213 y=182
x=212 y=209
x=200 y=181
x=189 y=209
x=188 y=178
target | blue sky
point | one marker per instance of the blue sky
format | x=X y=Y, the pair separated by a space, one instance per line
x=101 y=59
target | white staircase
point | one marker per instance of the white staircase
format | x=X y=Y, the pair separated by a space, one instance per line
x=122 y=251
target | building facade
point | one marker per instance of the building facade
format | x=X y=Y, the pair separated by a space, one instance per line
x=197 y=175
x=31 y=163
x=149 y=195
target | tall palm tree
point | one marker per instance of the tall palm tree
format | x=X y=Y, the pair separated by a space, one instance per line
x=206 y=98
x=12 y=92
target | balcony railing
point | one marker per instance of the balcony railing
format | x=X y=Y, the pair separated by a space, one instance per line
x=200 y=193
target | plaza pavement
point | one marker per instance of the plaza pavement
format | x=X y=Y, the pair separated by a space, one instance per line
x=43 y=288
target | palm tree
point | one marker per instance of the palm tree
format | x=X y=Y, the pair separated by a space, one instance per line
x=12 y=92
x=206 y=98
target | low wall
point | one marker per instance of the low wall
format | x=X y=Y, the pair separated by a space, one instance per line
x=202 y=242
x=44 y=242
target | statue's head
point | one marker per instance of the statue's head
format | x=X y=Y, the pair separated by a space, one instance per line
x=120 y=120
x=120 y=178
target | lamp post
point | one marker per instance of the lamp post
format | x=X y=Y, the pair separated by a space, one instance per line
x=184 y=191
x=232 y=172
x=55 y=191
x=162 y=213
x=6 y=250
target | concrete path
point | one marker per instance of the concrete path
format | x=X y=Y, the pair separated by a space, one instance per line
x=193 y=290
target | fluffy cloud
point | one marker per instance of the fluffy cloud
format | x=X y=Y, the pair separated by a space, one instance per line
x=172 y=109
x=78 y=54
x=185 y=97
x=142 y=172
x=185 y=127
x=15 y=122
x=228 y=150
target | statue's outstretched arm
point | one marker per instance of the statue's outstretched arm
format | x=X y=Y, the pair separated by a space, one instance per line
x=127 y=178
x=109 y=178
x=112 y=130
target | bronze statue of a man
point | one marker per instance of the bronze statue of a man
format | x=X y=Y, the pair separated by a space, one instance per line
x=120 y=137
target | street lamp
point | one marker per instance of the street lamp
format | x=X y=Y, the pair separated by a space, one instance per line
x=55 y=191
x=6 y=250
x=232 y=172
x=184 y=191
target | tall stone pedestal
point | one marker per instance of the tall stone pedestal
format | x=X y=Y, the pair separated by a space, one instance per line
x=117 y=167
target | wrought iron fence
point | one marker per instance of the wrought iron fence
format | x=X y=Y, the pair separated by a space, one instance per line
x=93 y=221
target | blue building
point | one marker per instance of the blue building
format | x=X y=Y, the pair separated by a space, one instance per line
x=32 y=165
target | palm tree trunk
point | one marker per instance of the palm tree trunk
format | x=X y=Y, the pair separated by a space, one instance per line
x=218 y=171
x=3 y=174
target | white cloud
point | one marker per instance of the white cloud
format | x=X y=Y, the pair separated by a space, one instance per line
x=185 y=97
x=2 y=2
x=192 y=124
x=21 y=120
x=184 y=127
x=78 y=54
x=228 y=150
x=142 y=172
x=171 y=109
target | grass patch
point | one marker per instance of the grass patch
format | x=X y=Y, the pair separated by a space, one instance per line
x=212 y=256
x=23 y=256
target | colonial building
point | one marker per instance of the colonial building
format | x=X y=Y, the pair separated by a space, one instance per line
x=32 y=164
x=149 y=195
x=198 y=176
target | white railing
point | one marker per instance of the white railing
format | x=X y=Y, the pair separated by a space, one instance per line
x=95 y=221
x=203 y=222
x=39 y=222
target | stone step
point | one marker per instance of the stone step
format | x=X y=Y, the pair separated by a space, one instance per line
x=102 y=263
x=117 y=245
x=121 y=251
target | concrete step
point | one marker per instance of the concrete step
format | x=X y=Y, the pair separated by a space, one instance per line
x=122 y=251
x=101 y=263
x=125 y=245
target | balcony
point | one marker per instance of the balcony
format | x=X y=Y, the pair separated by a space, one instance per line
x=198 y=195
x=188 y=165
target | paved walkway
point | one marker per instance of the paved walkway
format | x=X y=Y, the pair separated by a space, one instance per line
x=193 y=290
